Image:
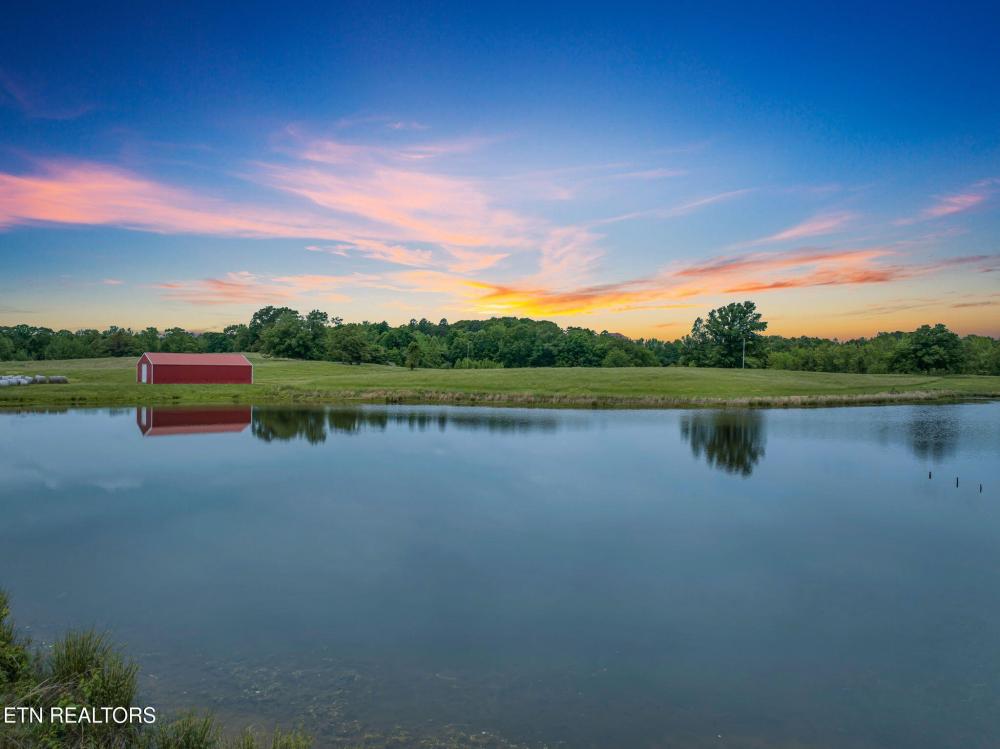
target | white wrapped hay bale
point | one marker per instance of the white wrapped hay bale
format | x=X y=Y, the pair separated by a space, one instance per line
x=58 y=380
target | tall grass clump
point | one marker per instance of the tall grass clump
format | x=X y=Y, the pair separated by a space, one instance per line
x=84 y=670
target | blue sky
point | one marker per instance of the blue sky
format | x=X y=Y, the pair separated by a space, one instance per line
x=623 y=168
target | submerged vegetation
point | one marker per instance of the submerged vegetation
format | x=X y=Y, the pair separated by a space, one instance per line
x=729 y=337
x=82 y=671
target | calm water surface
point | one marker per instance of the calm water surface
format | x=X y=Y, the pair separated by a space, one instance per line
x=530 y=578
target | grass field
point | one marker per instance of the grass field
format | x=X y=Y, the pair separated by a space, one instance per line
x=111 y=382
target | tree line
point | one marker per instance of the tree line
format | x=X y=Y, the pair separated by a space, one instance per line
x=730 y=336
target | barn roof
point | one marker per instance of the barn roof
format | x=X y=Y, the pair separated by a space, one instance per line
x=225 y=360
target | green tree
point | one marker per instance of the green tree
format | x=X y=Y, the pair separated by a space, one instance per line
x=147 y=340
x=616 y=358
x=178 y=340
x=6 y=348
x=414 y=354
x=263 y=319
x=287 y=337
x=317 y=321
x=696 y=348
x=349 y=343
x=216 y=343
x=981 y=355
x=65 y=345
x=730 y=328
x=929 y=349
x=239 y=337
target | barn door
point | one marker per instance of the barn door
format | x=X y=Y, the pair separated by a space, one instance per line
x=145 y=372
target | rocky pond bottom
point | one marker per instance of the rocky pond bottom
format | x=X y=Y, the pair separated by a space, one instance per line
x=519 y=578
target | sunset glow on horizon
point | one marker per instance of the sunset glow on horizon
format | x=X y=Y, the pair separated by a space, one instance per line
x=620 y=173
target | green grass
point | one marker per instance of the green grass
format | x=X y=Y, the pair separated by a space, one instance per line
x=83 y=670
x=111 y=382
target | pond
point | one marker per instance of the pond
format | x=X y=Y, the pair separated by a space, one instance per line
x=502 y=577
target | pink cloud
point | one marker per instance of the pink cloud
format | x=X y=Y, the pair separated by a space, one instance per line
x=235 y=288
x=960 y=202
x=244 y=287
x=675 y=211
x=815 y=226
x=950 y=204
x=469 y=261
x=75 y=192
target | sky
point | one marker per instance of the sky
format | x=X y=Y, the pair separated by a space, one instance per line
x=617 y=166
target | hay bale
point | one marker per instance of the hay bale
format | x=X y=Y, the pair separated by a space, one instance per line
x=40 y=379
x=58 y=380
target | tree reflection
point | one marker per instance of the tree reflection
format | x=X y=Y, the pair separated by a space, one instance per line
x=933 y=433
x=314 y=424
x=285 y=424
x=732 y=441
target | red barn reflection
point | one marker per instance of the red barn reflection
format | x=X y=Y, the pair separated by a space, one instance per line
x=155 y=422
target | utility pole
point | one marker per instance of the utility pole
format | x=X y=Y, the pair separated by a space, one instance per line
x=744 y=354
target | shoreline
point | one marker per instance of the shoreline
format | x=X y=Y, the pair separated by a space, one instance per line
x=497 y=400
x=111 y=382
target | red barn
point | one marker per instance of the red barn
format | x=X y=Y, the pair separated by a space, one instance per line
x=194 y=369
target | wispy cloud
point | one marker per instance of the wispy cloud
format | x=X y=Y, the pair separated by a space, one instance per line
x=960 y=202
x=681 y=209
x=33 y=103
x=241 y=287
x=112 y=282
x=983 y=303
x=815 y=226
x=244 y=287
x=648 y=174
x=80 y=192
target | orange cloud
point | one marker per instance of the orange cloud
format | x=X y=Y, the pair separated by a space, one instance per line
x=755 y=272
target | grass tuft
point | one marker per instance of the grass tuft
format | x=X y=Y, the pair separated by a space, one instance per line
x=84 y=670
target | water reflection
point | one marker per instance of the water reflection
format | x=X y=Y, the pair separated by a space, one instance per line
x=933 y=435
x=530 y=589
x=313 y=425
x=156 y=422
x=732 y=441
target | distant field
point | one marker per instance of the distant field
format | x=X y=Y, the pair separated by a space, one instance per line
x=111 y=382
